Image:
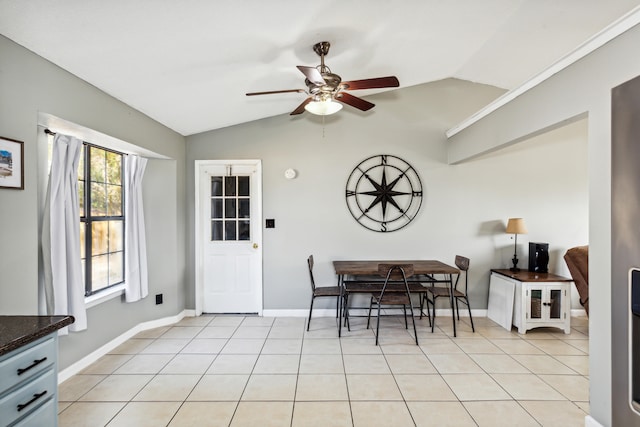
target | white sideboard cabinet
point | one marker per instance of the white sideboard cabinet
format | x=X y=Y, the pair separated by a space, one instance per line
x=539 y=299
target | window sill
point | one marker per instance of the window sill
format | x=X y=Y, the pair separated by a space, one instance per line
x=106 y=295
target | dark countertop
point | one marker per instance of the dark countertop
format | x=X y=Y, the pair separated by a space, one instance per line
x=16 y=331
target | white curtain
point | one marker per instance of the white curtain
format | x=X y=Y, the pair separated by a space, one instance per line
x=63 y=283
x=135 y=265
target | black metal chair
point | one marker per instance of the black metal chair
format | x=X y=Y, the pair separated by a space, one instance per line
x=393 y=296
x=444 y=291
x=320 y=291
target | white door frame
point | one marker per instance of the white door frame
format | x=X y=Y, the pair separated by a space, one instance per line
x=199 y=237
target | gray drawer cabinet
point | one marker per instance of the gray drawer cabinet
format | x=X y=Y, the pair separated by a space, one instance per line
x=28 y=384
x=29 y=370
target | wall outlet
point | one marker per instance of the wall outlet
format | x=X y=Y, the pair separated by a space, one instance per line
x=158 y=299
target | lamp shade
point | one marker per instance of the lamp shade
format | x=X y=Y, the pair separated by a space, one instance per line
x=323 y=108
x=516 y=226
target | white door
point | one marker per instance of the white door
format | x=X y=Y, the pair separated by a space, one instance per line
x=228 y=237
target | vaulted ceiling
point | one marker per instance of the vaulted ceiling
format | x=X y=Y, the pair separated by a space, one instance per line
x=189 y=63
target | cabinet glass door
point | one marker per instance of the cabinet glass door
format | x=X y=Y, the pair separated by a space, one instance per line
x=555 y=303
x=536 y=304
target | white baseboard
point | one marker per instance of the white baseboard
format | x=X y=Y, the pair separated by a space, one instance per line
x=326 y=312
x=578 y=312
x=590 y=422
x=83 y=363
x=321 y=312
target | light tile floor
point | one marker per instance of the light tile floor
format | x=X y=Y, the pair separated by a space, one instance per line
x=259 y=371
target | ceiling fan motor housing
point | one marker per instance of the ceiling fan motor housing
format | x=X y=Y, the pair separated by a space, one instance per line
x=331 y=84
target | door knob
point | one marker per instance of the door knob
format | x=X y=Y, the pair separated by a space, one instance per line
x=255 y=246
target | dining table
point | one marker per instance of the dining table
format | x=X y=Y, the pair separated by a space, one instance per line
x=432 y=271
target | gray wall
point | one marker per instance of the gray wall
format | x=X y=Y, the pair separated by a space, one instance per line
x=582 y=89
x=29 y=85
x=464 y=210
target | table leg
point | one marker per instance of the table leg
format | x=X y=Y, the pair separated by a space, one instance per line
x=452 y=300
x=340 y=304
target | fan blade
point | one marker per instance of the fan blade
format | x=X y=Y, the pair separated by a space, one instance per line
x=354 y=101
x=275 y=91
x=377 y=83
x=300 y=108
x=312 y=74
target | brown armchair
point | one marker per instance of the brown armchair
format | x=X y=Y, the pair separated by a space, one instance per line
x=577 y=260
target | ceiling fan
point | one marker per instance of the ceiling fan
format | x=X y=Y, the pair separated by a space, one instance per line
x=325 y=87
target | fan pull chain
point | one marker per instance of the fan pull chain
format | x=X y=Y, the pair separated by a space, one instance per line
x=322 y=127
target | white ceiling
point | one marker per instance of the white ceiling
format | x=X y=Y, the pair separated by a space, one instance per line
x=189 y=63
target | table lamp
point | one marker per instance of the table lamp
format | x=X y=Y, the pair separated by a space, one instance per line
x=516 y=226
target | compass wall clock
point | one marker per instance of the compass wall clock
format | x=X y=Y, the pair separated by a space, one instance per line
x=384 y=193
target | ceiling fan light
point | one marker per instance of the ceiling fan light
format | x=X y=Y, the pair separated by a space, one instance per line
x=323 y=108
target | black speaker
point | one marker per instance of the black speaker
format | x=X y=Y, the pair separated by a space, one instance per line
x=538 y=257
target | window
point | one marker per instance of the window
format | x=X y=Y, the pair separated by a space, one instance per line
x=100 y=188
x=230 y=208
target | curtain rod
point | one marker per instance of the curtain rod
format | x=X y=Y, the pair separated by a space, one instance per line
x=49 y=132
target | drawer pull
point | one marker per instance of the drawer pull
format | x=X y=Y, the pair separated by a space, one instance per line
x=33 y=365
x=35 y=397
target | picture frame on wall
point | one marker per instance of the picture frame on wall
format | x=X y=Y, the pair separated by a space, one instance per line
x=11 y=163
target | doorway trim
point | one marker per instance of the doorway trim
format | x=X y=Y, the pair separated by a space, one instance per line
x=199 y=281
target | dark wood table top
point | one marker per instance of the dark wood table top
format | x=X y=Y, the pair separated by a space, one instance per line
x=370 y=267
x=530 y=276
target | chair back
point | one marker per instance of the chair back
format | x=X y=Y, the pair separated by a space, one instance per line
x=463 y=265
x=395 y=272
x=313 y=282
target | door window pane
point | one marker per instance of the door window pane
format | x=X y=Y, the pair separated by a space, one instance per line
x=230 y=208
x=229 y=186
x=216 y=186
x=216 y=208
x=230 y=230
x=243 y=186
x=244 y=230
x=243 y=208
x=216 y=230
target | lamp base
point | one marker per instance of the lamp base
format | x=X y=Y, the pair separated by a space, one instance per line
x=515 y=263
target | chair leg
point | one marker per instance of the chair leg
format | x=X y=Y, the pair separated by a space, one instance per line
x=346 y=312
x=470 y=317
x=404 y=309
x=433 y=305
x=378 y=324
x=413 y=319
x=369 y=316
x=310 y=310
x=457 y=310
x=428 y=313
